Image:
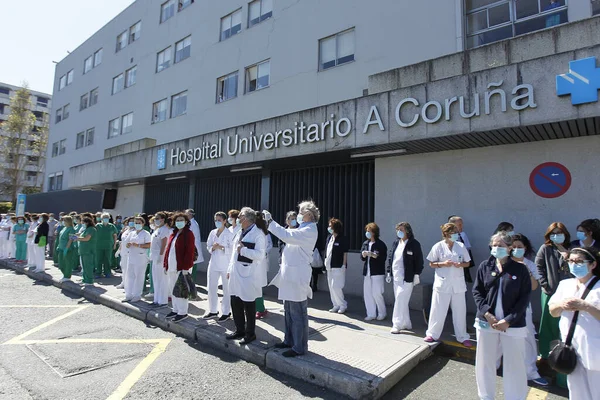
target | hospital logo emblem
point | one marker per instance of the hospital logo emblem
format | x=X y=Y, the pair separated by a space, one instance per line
x=161 y=159
x=582 y=82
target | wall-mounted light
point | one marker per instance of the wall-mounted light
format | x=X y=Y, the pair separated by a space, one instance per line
x=131 y=183
x=378 y=153
x=242 y=169
x=172 y=178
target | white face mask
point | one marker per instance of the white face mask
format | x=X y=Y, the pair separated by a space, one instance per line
x=300 y=219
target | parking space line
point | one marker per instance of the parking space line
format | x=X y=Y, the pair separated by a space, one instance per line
x=37 y=306
x=95 y=341
x=536 y=394
x=45 y=325
x=139 y=370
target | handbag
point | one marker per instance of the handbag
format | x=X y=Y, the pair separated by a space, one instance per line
x=42 y=241
x=317 y=261
x=562 y=357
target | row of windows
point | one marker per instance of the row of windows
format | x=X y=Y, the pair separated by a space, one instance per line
x=178 y=107
x=120 y=126
x=123 y=81
x=167 y=9
x=92 y=61
x=183 y=50
x=258 y=11
x=129 y=36
x=62 y=113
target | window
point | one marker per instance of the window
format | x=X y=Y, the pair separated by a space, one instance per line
x=489 y=21
x=58 y=116
x=231 y=24
x=163 y=59
x=97 y=58
x=258 y=76
x=114 y=127
x=51 y=183
x=5 y=90
x=227 y=87
x=59 y=181
x=2 y=109
x=88 y=64
x=336 y=50
x=80 y=141
x=258 y=11
x=127 y=123
x=39 y=116
x=66 y=112
x=178 y=104
x=83 y=103
x=54 y=149
x=183 y=49
x=184 y=3
x=93 y=97
x=42 y=101
x=130 y=76
x=117 y=84
x=62 y=147
x=167 y=10
x=159 y=111
x=134 y=32
x=31 y=176
x=62 y=82
x=33 y=160
x=121 y=41
x=595 y=7
x=70 y=77
x=89 y=137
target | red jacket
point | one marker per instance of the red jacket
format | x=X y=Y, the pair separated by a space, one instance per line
x=184 y=249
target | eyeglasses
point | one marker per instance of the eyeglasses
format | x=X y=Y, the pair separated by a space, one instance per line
x=578 y=261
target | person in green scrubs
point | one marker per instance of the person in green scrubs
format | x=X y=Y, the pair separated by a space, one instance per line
x=87 y=250
x=67 y=253
x=58 y=228
x=20 y=232
x=106 y=240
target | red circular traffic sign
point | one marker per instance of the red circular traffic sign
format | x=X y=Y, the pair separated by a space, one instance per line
x=550 y=180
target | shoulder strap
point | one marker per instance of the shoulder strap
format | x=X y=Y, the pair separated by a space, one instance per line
x=576 y=315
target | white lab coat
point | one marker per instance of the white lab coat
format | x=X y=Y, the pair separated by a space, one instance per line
x=30 y=245
x=242 y=276
x=219 y=259
x=159 y=279
x=217 y=270
x=293 y=279
x=195 y=228
x=137 y=262
x=261 y=277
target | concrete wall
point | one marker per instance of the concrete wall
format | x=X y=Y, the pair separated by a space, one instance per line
x=130 y=200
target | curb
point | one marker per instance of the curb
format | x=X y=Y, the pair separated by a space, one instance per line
x=451 y=349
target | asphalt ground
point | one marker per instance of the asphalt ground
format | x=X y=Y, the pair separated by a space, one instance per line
x=54 y=345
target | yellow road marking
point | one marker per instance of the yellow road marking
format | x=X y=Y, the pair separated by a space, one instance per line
x=137 y=373
x=59 y=341
x=537 y=394
x=37 y=306
x=45 y=325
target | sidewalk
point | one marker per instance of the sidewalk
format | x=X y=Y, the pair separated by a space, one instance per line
x=347 y=355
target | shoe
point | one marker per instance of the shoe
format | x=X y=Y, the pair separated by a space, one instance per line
x=248 y=340
x=225 y=317
x=290 y=353
x=395 y=331
x=334 y=310
x=180 y=318
x=171 y=315
x=108 y=276
x=540 y=381
x=124 y=300
x=369 y=318
x=342 y=311
x=381 y=317
x=136 y=299
x=282 y=345
x=63 y=280
x=97 y=276
x=121 y=286
x=261 y=315
x=210 y=315
x=429 y=339
x=234 y=336
x=467 y=343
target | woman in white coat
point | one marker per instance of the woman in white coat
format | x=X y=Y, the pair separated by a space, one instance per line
x=160 y=236
x=249 y=248
x=584 y=381
x=35 y=221
x=129 y=227
x=138 y=244
x=262 y=276
x=219 y=244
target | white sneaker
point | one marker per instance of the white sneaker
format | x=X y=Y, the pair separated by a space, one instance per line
x=381 y=317
x=63 y=280
x=120 y=286
x=369 y=318
x=341 y=311
x=395 y=331
x=334 y=310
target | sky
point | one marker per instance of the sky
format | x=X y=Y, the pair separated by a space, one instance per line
x=46 y=30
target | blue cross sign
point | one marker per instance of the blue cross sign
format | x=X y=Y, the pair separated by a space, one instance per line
x=161 y=159
x=582 y=82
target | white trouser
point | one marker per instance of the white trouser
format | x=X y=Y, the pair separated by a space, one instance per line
x=40 y=258
x=373 y=293
x=136 y=273
x=213 y=287
x=124 y=261
x=180 y=306
x=513 y=371
x=439 y=310
x=160 y=282
x=583 y=383
x=3 y=247
x=336 y=278
x=30 y=254
x=401 y=315
x=12 y=249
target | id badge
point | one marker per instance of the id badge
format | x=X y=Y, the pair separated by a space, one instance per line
x=483 y=324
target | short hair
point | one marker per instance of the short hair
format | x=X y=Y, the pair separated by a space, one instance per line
x=221 y=215
x=504 y=227
x=336 y=225
x=309 y=206
x=191 y=212
x=233 y=213
x=374 y=228
x=562 y=227
x=407 y=228
x=454 y=218
x=44 y=216
x=291 y=215
x=448 y=228
x=106 y=215
x=89 y=221
x=139 y=218
x=503 y=236
x=68 y=220
x=249 y=214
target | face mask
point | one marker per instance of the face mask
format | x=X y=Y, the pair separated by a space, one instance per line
x=510 y=233
x=157 y=222
x=293 y=223
x=518 y=253
x=131 y=224
x=557 y=238
x=85 y=225
x=98 y=219
x=230 y=221
x=237 y=221
x=138 y=227
x=578 y=270
x=118 y=221
x=454 y=237
x=330 y=230
x=300 y=219
x=180 y=224
x=218 y=224
x=21 y=222
x=400 y=234
x=368 y=235
x=51 y=218
x=581 y=235
x=499 y=252
x=105 y=221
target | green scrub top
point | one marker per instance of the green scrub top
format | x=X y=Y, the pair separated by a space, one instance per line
x=63 y=239
x=89 y=246
x=20 y=237
x=104 y=235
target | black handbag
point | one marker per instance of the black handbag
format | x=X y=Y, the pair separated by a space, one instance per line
x=562 y=357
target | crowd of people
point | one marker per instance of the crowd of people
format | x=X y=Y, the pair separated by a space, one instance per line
x=166 y=247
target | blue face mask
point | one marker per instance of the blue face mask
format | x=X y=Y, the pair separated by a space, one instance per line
x=510 y=233
x=218 y=224
x=368 y=235
x=105 y=220
x=518 y=253
x=579 y=270
x=300 y=219
x=293 y=223
x=400 y=234
x=21 y=222
x=180 y=224
x=499 y=252
x=131 y=224
x=557 y=238
x=330 y=230
x=581 y=235
x=230 y=221
x=237 y=221
x=454 y=237
x=138 y=227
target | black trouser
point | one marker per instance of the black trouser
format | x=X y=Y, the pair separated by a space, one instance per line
x=315 y=278
x=244 y=323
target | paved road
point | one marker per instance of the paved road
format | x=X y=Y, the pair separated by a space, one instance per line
x=57 y=346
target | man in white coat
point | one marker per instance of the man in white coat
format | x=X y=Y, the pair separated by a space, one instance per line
x=195 y=228
x=248 y=250
x=293 y=279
